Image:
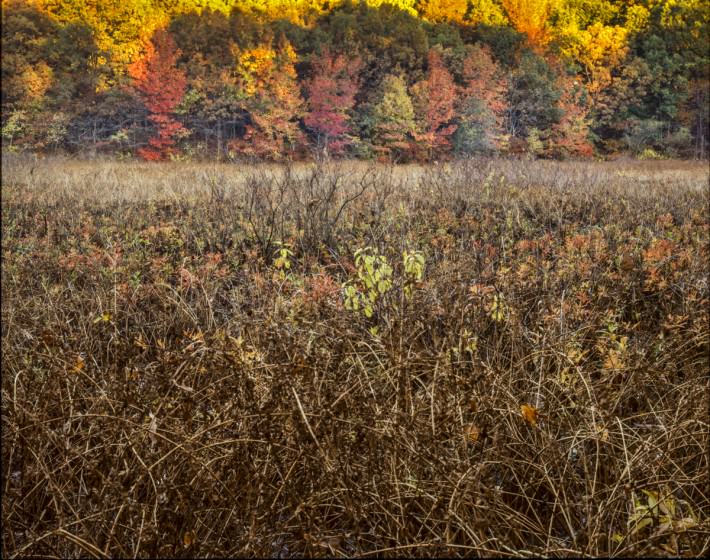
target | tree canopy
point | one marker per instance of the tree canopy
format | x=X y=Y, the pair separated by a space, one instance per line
x=406 y=79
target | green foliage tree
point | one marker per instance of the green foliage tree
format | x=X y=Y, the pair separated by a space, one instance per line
x=393 y=118
x=533 y=96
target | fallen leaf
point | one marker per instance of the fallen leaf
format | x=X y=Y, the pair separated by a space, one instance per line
x=603 y=433
x=529 y=413
x=472 y=433
x=189 y=538
x=79 y=365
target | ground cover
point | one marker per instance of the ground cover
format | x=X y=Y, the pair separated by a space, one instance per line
x=482 y=358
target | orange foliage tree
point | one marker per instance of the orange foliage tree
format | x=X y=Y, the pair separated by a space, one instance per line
x=161 y=86
x=434 y=99
x=530 y=17
x=570 y=136
x=267 y=79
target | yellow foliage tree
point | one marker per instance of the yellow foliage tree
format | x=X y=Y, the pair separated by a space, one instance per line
x=600 y=49
x=487 y=12
x=404 y=5
x=530 y=17
x=443 y=10
x=255 y=68
x=267 y=78
x=122 y=28
x=36 y=81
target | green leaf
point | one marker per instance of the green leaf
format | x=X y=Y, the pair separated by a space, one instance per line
x=645 y=522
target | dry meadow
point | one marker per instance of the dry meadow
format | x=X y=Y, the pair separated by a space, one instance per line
x=484 y=358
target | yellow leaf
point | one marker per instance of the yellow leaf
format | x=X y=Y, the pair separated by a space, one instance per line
x=189 y=538
x=472 y=433
x=603 y=433
x=644 y=522
x=613 y=361
x=652 y=498
x=105 y=317
x=529 y=413
x=140 y=342
x=79 y=365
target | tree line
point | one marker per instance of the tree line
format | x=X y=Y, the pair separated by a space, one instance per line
x=403 y=80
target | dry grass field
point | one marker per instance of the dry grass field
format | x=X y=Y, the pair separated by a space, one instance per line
x=486 y=358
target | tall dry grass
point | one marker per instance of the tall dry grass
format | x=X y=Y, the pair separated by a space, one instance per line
x=171 y=388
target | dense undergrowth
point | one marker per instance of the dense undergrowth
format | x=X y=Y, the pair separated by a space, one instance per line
x=184 y=373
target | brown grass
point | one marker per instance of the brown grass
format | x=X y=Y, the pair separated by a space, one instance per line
x=170 y=389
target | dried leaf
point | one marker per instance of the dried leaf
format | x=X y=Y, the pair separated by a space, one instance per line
x=472 y=433
x=603 y=433
x=189 y=538
x=529 y=413
x=78 y=365
x=613 y=361
x=670 y=549
x=685 y=524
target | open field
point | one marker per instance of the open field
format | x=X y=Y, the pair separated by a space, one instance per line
x=517 y=364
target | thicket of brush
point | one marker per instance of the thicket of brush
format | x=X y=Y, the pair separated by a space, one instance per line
x=183 y=374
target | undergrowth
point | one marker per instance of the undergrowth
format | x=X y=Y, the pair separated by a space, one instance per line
x=482 y=359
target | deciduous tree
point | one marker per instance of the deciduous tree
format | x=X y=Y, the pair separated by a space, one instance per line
x=331 y=97
x=393 y=118
x=162 y=86
x=434 y=100
x=443 y=10
x=570 y=136
x=267 y=79
x=530 y=17
x=483 y=104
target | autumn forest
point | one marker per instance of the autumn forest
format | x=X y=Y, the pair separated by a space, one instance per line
x=398 y=80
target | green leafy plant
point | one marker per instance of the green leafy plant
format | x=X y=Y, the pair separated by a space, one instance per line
x=498 y=308
x=413 y=269
x=661 y=511
x=374 y=280
x=282 y=263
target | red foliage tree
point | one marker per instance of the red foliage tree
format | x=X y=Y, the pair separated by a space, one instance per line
x=435 y=98
x=570 y=137
x=162 y=86
x=331 y=96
